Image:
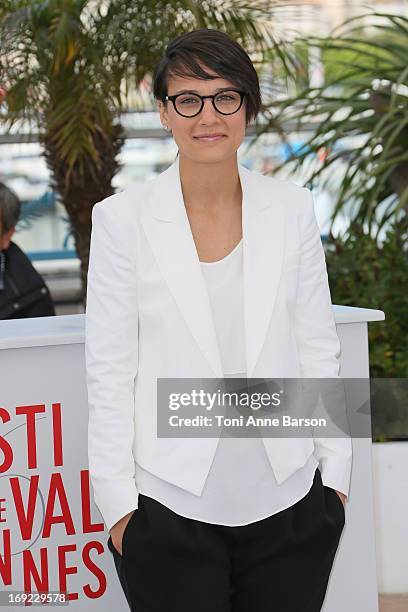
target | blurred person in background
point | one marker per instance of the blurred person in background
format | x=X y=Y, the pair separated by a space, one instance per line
x=23 y=292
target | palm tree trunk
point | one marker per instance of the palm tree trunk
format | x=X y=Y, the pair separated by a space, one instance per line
x=81 y=187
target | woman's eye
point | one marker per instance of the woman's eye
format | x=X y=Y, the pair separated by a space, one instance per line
x=188 y=100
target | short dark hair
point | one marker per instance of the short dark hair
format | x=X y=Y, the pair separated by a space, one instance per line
x=216 y=50
x=10 y=207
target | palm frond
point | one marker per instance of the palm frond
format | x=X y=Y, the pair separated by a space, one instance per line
x=368 y=100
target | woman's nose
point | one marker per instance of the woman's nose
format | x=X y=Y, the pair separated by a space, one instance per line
x=208 y=111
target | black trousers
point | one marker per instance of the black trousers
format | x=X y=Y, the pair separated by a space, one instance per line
x=171 y=563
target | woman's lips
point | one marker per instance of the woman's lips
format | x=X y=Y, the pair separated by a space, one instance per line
x=209 y=138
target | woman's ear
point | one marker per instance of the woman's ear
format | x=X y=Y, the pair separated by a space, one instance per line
x=163 y=113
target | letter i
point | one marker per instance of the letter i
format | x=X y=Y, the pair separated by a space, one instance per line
x=57 y=431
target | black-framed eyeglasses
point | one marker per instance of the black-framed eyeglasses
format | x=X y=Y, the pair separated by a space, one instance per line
x=225 y=102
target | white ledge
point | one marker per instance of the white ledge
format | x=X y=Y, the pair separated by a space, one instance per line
x=70 y=329
x=352 y=314
x=42 y=331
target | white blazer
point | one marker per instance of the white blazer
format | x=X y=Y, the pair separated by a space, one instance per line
x=148 y=315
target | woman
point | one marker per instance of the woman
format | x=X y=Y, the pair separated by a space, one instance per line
x=210 y=270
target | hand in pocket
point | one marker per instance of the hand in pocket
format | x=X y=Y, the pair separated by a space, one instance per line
x=342 y=497
x=118 y=530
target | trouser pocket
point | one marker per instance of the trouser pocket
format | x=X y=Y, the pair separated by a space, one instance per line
x=129 y=527
x=334 y=504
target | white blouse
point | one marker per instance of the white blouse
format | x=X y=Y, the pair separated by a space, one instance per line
x=240 y=487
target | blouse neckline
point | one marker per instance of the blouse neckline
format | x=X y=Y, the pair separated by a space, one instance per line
x=219 y=261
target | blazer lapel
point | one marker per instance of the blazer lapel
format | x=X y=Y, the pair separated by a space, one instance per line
x=263 y=235
x=168 y=231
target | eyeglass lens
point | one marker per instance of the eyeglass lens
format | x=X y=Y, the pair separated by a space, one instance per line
x=225 y=102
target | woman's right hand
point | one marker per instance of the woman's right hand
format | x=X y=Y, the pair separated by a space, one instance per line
x=118 y=530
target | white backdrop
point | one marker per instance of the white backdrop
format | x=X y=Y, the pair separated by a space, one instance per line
x=52 y=536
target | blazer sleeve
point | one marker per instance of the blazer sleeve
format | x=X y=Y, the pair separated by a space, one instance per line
x=318 y=343
x=111 y=356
